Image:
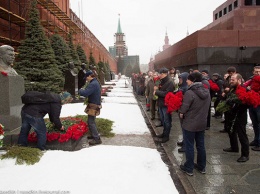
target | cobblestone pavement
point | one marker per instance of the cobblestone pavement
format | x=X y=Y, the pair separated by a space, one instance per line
x=223 y=173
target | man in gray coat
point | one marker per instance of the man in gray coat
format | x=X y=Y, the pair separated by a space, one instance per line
x=193 y=112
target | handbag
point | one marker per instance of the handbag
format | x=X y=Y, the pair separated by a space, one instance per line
x=93 y=109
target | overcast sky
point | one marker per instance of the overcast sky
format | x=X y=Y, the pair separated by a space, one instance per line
x=144 y=22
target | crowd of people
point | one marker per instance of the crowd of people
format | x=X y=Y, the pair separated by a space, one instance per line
x=202 y=91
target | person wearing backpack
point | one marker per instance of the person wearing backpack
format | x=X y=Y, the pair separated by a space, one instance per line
x=36 y=106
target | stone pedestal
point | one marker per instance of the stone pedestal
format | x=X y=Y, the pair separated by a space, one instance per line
x=11 y=90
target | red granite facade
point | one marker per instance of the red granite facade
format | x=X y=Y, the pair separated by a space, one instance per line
x=55 y=16
x=233 y=38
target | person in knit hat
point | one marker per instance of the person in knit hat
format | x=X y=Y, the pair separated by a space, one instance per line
x=36 y=106
x=193 y=114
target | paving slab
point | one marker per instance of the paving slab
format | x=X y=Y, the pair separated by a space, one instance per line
x=223 y=173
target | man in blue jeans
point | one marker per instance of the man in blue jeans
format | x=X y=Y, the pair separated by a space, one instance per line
x=93 y=93
x=193 y=114
x=166 y=85
x=37 y=105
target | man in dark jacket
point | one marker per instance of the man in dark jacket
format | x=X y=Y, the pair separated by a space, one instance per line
x=165 y=86
x=93 y=93
x=193 y=112
x=34 y=111
x=236 y=124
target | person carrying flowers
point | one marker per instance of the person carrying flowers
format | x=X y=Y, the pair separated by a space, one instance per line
x=236 y=124
x=166 y=86
x=36 y=106
x=253 y=85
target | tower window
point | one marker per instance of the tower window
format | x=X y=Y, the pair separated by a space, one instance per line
x=257 y=2
x=225 y=11
x=216 y=16
x=235 y=4
x=230 y=8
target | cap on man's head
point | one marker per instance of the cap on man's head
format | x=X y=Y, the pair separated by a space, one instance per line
x=88 y=73
x=205 y=71
x=231 y=69
x=65 y=97
x=163 y=70
x=195 y=77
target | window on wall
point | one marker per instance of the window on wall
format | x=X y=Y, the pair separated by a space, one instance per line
x=220 y=13
x=225 y=11
x=235 y=4
x=257 y=2
x=230 y=8
x=216 y=16
x=248 y=2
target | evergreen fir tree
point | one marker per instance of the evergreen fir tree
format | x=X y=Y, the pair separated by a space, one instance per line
x=82 y=55
x=107 y=70
x=92 y=61
x=61 y=51
x=36 y=61
x=73 y=52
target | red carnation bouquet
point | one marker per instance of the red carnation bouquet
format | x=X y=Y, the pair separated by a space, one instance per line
x=173 y=101
x=74 y=128
x=213 y=86
x=251 y=97
x=255 y=84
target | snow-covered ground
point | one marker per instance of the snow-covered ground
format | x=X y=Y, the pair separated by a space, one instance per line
x=100 y=169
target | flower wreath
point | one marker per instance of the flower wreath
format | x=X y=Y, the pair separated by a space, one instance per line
x=173 y=101
x=213 y=86
x=2 y=134
x=74 y=128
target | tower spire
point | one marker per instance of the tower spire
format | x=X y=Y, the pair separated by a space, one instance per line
x=119 y=30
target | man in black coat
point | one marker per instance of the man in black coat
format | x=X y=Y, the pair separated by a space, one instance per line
x=236 y=124
x=165 y=86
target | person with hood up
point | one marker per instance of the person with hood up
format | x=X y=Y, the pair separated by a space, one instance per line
x=193 y=114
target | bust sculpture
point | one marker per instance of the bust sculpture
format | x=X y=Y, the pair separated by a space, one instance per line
x=6 y=60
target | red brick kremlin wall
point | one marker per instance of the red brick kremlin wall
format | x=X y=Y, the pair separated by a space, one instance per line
x=83 y=35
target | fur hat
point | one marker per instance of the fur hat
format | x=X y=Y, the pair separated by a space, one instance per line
x=65 y=97
x=195 y=77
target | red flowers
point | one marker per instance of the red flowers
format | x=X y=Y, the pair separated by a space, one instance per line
x=4 y=73
x=250 y=98
x=75 y=128
x=213 y=86
x=173 y=101
x=255 y=85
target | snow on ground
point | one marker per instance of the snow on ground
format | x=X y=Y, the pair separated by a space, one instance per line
x=100 y=169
